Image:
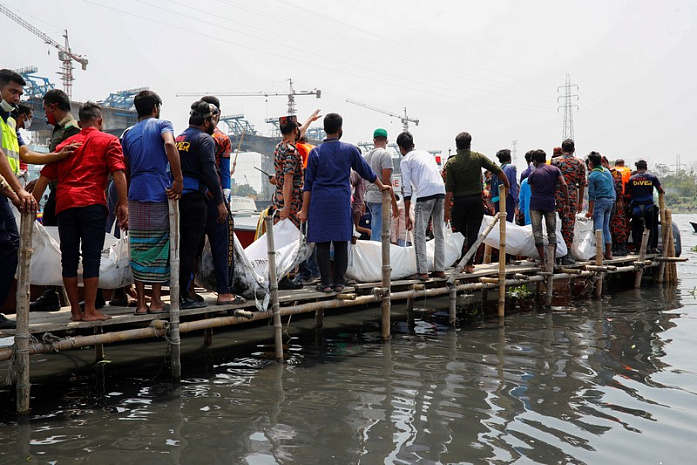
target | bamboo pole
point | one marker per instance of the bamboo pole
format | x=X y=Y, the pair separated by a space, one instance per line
x=487 y=252
x=672 y=276
x=662 y=214
x=273 y=289
x=549 y=268
x=453 y=306
x=642 y=258
x=174 y=289
x=472 y=250
x=599 y=261
x=22 y=336
x=503 y=192
x=386 y=302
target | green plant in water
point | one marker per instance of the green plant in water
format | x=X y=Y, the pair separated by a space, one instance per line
x=519 y=292
x=694 y=248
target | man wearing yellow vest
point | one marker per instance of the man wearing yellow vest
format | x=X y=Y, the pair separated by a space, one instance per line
x=11 y=89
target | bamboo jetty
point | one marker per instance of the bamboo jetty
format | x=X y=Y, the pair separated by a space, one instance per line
x=52 y=332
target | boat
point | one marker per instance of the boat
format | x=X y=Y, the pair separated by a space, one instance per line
x=694 y=225
x=245 y=216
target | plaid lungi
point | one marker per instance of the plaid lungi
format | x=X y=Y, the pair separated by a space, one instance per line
x=148 y=238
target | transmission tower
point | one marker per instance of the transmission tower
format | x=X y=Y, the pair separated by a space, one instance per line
x=568 y=131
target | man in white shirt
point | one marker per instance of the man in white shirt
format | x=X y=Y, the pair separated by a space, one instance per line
x=380 y=160
x=421 y=178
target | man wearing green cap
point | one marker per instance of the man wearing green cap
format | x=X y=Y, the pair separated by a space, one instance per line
x=380 y=160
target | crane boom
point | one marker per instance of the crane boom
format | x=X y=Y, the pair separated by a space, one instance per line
x=290 y=94
x=65 y=55
x=404 y=119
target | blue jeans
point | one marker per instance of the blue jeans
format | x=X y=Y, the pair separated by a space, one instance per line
x=602 y=210
x=375 y=220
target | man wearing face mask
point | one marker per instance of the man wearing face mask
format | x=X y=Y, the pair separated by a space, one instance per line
x=24 y=116
x=197 y=154
x=81 y=206
x=11 y=89
x=57 y=110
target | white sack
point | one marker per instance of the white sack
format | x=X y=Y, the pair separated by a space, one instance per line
x=365 y=258
x=114 y=269
x=519 y=239
x=583 y=247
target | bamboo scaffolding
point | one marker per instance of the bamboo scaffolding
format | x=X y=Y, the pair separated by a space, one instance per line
x=22 y=336
x=385 y=301
x=159 y=328
x=273 y=290
x=174 y=289
x=641 y=263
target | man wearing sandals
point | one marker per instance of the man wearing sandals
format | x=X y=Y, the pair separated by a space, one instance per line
x=327 y=201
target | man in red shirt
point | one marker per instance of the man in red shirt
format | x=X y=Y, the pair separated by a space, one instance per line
x=81 y=205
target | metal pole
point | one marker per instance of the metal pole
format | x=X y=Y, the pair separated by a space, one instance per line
x=174 y=289
x=386 y=302
x=22 y=342
x=273 y=289
x=502 y=253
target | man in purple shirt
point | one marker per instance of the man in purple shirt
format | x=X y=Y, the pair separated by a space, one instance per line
x=543 y=182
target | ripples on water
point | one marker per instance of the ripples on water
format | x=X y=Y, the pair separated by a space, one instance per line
x=611 y=381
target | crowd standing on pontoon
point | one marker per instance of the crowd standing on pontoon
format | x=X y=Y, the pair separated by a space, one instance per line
x=96 y=179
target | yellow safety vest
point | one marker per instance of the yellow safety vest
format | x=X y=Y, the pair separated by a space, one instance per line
x=10 y=144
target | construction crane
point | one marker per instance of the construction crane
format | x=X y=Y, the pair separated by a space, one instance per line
x=65 y=55
x=290 y=94
x=404 y=119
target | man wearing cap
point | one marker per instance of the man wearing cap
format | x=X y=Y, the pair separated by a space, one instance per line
x=644 y=212
x=380 y=161
x=197 y=157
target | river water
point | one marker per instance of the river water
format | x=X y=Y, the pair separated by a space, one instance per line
x=593 y=382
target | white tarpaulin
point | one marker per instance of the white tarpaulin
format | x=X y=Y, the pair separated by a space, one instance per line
x=365 y=263
x=519 y=239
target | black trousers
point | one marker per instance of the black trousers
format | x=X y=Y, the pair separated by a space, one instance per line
x=9 y=245
x=82 y=229
x=221 y=242
x=467 y=215
x=325 y=264
x=645 y=216
x=192 y=225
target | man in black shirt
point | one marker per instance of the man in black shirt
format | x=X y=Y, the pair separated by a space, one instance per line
x=197 y=153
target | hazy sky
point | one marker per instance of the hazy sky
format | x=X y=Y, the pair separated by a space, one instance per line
x=489 y=68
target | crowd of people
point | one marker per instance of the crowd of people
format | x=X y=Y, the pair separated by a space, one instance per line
x=96 y=179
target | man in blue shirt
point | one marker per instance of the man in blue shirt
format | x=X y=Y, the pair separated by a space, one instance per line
x=601 y=199
x=504 y=156
x=644 y=212
x=155 y=175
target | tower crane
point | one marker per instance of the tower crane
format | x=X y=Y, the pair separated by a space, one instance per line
x=290 y=94
x=404 y=119
x=65 y=54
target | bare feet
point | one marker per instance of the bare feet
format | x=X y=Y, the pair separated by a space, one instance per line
x=95 y=315
x=74 y=317
x=141 y=310
x=469 y=269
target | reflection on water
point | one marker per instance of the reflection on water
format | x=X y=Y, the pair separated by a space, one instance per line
x=608 y=381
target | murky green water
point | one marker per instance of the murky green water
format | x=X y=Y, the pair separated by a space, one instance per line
x=611 y=381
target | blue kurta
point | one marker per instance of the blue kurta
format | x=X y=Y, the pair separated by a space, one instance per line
x=327 y=177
